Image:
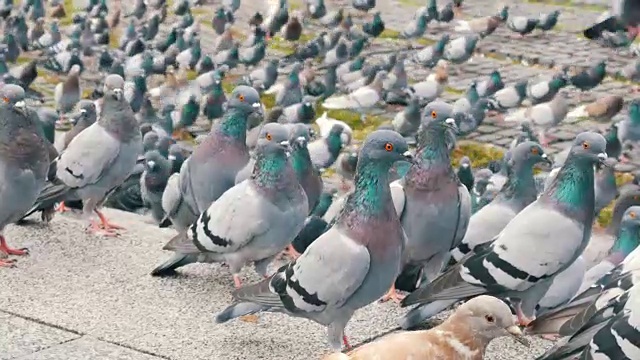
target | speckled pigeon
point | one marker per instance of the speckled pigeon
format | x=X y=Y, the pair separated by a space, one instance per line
x=349 y=266
x=252 y=221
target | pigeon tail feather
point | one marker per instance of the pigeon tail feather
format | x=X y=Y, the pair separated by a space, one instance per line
x=176 y=261
x=259 y=293
x=181 y=244
x=416 y=316
x=49 y=196
x=237 y=310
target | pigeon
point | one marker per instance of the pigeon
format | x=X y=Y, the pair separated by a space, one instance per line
x=510 y=97
x=306 y=173
x=211 y=170
x=85 y=117
x=68 y=92
x=464 y=104
x=24 y=158
x=631 y=71
x=548 y=21
x=544 y=91
x=522 y=25
x=511 y=265
x=429 y=56
x=614 y=147
x=425 y=210
x=407 y=121
x=515 y=195
x=469 y=122
x=157 y=170
x=627 y=199
x=465 y=173
x=629 y=128
x=302 y=112
x=325 y=150
x=316 y=9
x=484 y=26
x=431 y=88
x=464 y=335
x=375 y=27
x=325 y=123
x=461 y=49
x=333 y=18
x=601 y=110
x=338 y=267
x=291 y=93
x=606 y=189
x=564 y=286
x=361 y=99
x=415 y=28
x=624 y=14
x=491 y=85
x=363 y=5
x=544 y=115
x=98 y=159
x=264 y=78
x=292 y=29
x=589 y=78
x=272 y=199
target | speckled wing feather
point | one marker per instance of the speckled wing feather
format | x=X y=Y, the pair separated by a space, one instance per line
x=89 y=154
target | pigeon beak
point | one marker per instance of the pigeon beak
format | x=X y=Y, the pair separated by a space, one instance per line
x=151 y=164
x=301 y=141
x=517 y=335
x=408 y=156
x=602 y=157
x=451 y=124
x=546 y=159
x=83 y=111
x=118 y=93
x=171 y=157
x=21 y=105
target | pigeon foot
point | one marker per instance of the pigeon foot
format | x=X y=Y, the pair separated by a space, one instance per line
x=98 y=229
x=292 y=253
x=61 y=208
x=345 y=341
x=7 y=263
x=105 y=224
x=523 y=320
x=392 y=294
x=7 y=250
x=550 y=337
x=236 y=281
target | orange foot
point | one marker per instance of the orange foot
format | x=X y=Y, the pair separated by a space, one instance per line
x=10 y=251
x=345 y=341
x=106 y=224
x=523 y=320
x=97 y=228
x=292 y=253
x=7 y=263
x=392 y=294
x=236 y=281
x=61 y=208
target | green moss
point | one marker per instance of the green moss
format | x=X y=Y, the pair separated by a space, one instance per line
x=425 y=41
x=23 y=60
x=389 y=34
x=328 y=173
x=281 y=45
x=195 y=11
x=191 y=75
x=268 y=101
x=114 y=38
x=479 y=153
x=86 y=93
x=69 y=9
x=569 y=3
x=453 y=90
x=48 y=77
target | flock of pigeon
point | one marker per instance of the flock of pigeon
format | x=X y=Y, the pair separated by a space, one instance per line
x=252 y=187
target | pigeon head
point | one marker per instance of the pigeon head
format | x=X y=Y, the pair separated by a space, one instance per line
x=488 y=318
x=245 y=99
x=13 y=96
x=530 y=153
x=114 y=86
x=299 y=136
x=273 y=137
x=157 y=170
x=589 y=146
x=86 y=112
x=385 y=147
x=465 y=162
x=75 y=70
x=628 y=237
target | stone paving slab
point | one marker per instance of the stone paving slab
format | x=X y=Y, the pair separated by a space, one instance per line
x=19 y=336
x=88 y=348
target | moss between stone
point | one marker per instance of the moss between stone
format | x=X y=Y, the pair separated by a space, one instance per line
x=389 y=34
x=114 y=38
x=479 y=153
x=281 y=45
x=569 y=3
x=191 y=75
x=86 y=93
x=48 y=77
x=195 y=11
x=268 y=100
x=453 y=90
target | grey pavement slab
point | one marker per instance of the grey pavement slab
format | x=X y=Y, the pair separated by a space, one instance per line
x=86 y=348
x=19 y=336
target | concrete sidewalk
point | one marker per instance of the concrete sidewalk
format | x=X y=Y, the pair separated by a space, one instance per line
x=77 y=296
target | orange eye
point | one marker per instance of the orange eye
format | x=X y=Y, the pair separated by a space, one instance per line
x=585 y=145
x=632 y=215
x=241 y=97
x=535 y=151
x=434 y=114
x=268 y=137
x=5 y=99
x=388 y=147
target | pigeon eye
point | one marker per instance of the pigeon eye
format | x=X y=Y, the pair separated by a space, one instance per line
x=489 y=318
x=535 y=151
x=388 y=146
x=5 y=99
x=434 y=114
x=268 y=136
x=636 y=197
x=632 y=215
x=241 y=97
x=585 y=145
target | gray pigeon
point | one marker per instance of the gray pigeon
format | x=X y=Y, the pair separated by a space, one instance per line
x=435 y=218
x=606 y=189
x=307 y=174
x=251 y=222
x=85 y=117
x=264 y=78
x=461 y=49
x=325 y=150
x=415 y=28
x=211 y=169
x=302 y=112
x=157 y=170
x=629 y=128
x=99 y=158
x=349 y=266
x=67 y=93
x=361 y=99
x=515 y=195
x=544 y=116
x=510 y=97
x=513 y=265
x=24 y=160
x=291 y=93
x=407 y=121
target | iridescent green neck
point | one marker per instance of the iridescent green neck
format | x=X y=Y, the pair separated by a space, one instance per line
x=233 y=124
x=520 y=184
x=634 y=113
x=334 y=143
x=301 y=161
x=371 y=188
x=433 y=146
x=573 y=185
x=269 y=168
x=627 y=241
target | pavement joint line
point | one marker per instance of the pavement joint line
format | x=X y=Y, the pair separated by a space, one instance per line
x=80 y=335
x=50 y=347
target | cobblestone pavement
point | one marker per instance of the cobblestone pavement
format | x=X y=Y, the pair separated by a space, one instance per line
x=56 y=310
